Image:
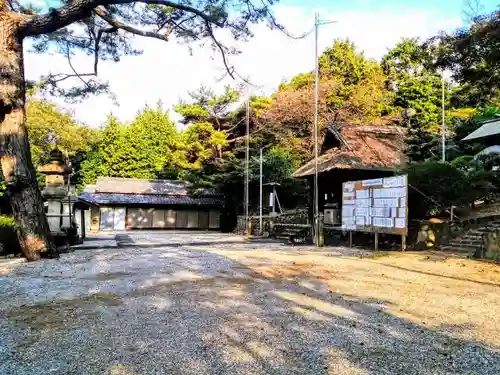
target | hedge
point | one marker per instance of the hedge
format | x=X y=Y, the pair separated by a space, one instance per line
x=9 y=243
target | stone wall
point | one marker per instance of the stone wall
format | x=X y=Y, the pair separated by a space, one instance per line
x=423 y=235
x=491 y=246
x=268 y=222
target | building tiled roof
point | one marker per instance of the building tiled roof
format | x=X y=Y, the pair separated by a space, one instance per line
x=487 y=130
x=119 y=185
x=362 y=147
x=149 y=199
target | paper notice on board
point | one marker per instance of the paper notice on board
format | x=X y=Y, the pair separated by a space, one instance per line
x=395 y=181
x=385 y=202
x=394 y=211
x=348 y=211
x=363 y=202
x=389 y=193
x=349 y=186
x=383 y=222
x=402 y=212
x=362 y=194
x=400 y=223
x=360 y=220
x=348 y=223
x=362 y=211
x=381 y=211
x=348 y=195
x=375 y=181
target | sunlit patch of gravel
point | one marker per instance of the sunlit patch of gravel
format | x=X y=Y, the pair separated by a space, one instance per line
x=234 y=308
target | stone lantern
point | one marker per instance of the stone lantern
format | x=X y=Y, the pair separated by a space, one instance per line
x=55 y=192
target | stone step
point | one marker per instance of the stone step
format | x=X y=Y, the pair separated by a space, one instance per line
x=472 y=236
x=458 y=249
x=282 y=238
x=465 y=246
x=487 y=229
x=467 y=241
x=287 y=233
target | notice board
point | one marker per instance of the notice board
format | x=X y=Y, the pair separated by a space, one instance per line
x=378 y=205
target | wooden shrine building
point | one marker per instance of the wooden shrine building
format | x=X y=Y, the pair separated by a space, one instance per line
x=353 y=152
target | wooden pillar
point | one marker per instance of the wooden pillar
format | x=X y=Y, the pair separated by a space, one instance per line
x=376 y=241
x=82 y=223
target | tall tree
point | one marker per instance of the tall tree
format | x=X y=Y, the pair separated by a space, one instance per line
x=101 y=29
x=147 y=148
x=417 y=90
x=415 y=82
x=105 y=153
x=472 y=54
x=45 y=119
x=352 y=89
x=202 y=144
x=208 y=107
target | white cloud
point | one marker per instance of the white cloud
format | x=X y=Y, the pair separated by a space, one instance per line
x=166 y=71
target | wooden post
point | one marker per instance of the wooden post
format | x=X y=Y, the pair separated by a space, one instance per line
x=350 y=238
x=403 y=242
x=376 y=241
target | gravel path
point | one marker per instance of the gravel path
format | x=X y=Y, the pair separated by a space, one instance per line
x=212 y=304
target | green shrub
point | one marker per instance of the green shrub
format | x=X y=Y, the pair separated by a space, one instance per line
x=434 y=187
x=9 y=243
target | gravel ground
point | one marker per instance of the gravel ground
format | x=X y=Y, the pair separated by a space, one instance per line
x=214 y=304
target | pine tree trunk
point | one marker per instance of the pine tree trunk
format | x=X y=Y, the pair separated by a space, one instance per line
x=15 y=156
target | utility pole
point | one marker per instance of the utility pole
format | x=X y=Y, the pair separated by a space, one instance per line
x=316 y=215
x=443 y=122
x=316 y=94
x=247 y=166
x=260 y=193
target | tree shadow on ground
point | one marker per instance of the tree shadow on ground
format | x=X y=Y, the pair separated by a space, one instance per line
x=233 y=320
x=438 y=275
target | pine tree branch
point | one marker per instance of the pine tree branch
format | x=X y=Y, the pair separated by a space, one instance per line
x=222 y=49
x=186 y=8
x=76 y=10
x=120 y=25
x=68 y=56
x=58 y=18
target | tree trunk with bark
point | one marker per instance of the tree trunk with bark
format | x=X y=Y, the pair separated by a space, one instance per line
x=15 y=155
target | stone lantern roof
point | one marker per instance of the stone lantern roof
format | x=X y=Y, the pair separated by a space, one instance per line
x=56 y=173
x=56 y=165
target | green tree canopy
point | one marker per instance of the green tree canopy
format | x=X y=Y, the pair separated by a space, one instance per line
x=48 y=125
x=352 y=89
x=415 y=82
x=148 y=148
x=471 y=53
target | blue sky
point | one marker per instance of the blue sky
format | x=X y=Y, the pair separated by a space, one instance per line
x=167 y=71
x=453 y=7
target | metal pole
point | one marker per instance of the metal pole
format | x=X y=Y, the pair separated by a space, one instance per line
x=247 y=156
x=316 y=94
x=260 y=195
x=443 y=123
